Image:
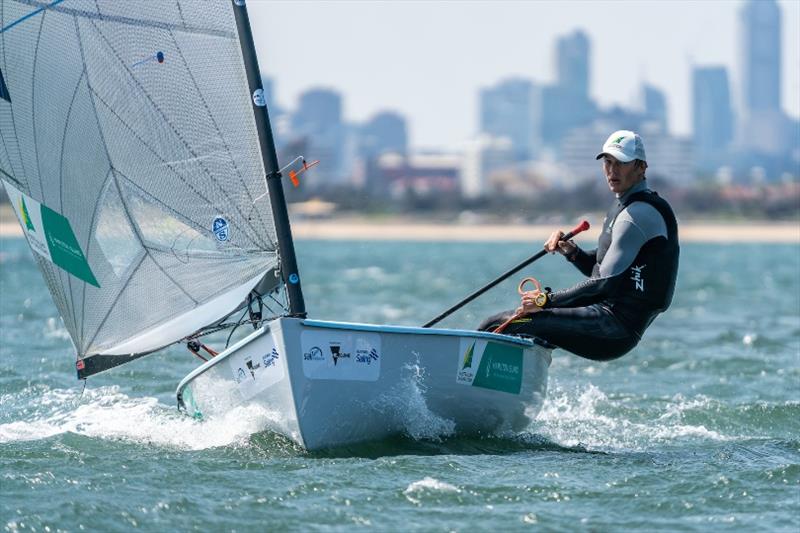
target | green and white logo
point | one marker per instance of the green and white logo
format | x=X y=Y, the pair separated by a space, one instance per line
x=24 y=216
x=618 y=140
x=56 y=241
x=490 y=365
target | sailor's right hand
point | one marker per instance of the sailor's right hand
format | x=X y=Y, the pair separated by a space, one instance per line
x=555 y=244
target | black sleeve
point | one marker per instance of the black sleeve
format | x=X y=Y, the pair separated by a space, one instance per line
x=591 y=291
x=584 y=261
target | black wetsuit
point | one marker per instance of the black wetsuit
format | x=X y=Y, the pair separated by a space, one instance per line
x=631 y=280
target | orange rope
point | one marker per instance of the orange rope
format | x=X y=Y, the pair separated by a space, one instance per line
x=521 y=313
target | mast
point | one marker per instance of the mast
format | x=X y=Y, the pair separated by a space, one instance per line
x=288 y=259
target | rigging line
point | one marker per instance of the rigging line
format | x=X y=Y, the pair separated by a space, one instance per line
x=175 y=131
x=29 y=15
x=238 y=323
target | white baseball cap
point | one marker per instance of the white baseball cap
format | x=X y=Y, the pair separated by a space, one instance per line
x=624 y=145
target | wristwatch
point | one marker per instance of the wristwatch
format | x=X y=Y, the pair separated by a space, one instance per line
x=541 y=299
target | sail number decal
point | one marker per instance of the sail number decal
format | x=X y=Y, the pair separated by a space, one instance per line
x=490 y=365
x=341 y=355
x=50 y=235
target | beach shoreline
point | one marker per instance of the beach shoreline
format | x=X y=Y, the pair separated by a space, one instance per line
x=402 y=229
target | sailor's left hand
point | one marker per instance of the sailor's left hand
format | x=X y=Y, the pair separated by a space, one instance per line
x=529 y=302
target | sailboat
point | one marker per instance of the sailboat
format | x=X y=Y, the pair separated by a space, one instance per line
x=138 y=155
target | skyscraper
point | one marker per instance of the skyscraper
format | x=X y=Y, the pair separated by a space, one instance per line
x=384 y=132
x=572 y=64
x=318 y=119
x=655 y=108
x=761 y=55
x=559 y=108
x=712 y=115
x=505 y=111
x=763 y=135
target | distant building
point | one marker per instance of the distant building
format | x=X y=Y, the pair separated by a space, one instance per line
x=712 y=117
x=384 y=132
x=505 y=111
x=654 y=108
x=421 y=176
x=763 y=129
x=572 y=64
x=318 y=119
x=669 y=158
x=761 y=55
x=482 y=157
x=559 y=108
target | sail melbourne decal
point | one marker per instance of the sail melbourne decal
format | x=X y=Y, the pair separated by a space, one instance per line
x=490 y=365
x=256 y=367
x=341 y=355
x=4 y=89
x=50 y=235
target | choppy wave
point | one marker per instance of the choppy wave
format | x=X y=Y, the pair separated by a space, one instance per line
x=588 y=417
x=107 y=413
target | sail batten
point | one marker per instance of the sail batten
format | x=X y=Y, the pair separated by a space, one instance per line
x=141 y=187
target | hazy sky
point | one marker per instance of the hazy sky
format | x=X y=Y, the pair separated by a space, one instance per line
x=428 y=60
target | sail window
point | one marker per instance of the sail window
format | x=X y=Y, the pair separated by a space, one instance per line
x=161 y=229
x=3 y=89
x=114 y=234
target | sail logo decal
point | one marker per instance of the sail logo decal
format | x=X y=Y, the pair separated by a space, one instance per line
x=50 y=235
x=270 y=358
x=337 y=353
x=25 y=217
x=341 y=355
x=490 y=365
x=256 y=366
x=220 y=229
x=258 y=98
x=3 y=89
x=468 y=357
x=367 y=356
x=314 y=354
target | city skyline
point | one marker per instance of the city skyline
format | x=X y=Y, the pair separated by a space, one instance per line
x=443 y=114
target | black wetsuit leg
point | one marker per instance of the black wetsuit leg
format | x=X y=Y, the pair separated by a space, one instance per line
x=591 y=332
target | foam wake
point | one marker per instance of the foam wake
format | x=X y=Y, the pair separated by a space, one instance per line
x=106 y=413
x=588 y=417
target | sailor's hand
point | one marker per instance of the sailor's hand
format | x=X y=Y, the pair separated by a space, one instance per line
x=529 y=302
x=555 y=244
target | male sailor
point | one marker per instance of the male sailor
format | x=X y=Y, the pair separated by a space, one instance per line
x=631 y=273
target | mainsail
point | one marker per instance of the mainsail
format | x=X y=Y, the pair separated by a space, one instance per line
x=131 y=155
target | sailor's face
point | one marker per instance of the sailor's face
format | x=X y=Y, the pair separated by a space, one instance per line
x=620 y=176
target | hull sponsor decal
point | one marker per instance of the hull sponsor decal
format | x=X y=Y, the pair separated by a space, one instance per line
x=341 y=355
x=50 y=235
x=256 y=367
x=490 y=365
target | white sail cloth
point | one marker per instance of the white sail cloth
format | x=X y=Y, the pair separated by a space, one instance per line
x=133 y=121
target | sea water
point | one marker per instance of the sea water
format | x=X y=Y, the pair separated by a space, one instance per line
x=698 y=428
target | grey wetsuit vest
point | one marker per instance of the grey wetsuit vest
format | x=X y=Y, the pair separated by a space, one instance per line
x=649 y=284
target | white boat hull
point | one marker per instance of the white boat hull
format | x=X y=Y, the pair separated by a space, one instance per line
x=333 y=384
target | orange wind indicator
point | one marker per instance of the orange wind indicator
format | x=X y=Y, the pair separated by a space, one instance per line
x=297 y=167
